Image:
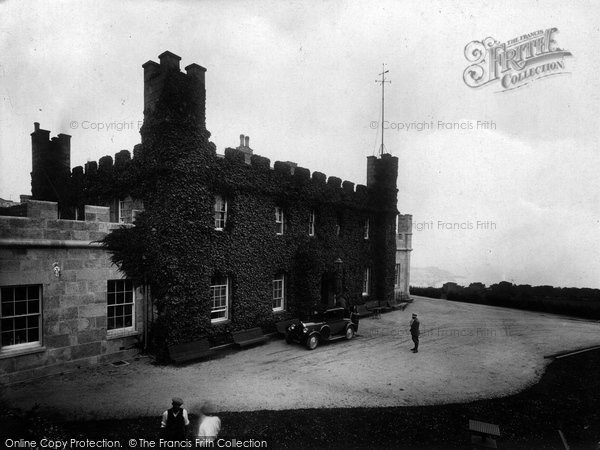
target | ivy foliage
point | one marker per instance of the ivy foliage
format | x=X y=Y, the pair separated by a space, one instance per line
x=175 y=249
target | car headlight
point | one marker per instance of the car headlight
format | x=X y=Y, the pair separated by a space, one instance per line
x=305 y=330
x=292 y=327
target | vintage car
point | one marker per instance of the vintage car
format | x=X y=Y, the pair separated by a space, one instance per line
x=327 y=325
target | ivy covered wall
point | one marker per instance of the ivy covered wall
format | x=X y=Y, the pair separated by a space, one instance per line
x=175 y=249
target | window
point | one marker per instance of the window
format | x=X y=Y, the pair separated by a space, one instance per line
x=127 y=209
x=366 y=229
x=219 y=299
x=367 y=282
x=120 y=305
x=279 y=293
x=398 y=272
x=311 y=223
x=338 y=225
x=279 y=220
x=20 y=315
x=220 y=213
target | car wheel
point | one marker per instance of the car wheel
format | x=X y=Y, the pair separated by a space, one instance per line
x=288 y=339
x=349 y=333
x=312 y=342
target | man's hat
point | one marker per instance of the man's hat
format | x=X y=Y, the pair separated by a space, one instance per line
x=177 y=401
x=414 y=314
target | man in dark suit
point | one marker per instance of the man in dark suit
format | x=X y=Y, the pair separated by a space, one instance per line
x=414 y=332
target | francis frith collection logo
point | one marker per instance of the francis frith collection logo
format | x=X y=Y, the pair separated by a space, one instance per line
x=514 y=63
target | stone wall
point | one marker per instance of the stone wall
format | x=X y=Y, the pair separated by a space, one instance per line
x=74 y=303
x=403 y=251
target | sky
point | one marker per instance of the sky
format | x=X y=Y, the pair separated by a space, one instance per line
x=517 y=200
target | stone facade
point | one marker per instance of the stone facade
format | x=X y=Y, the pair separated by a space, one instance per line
x=62 y=259
x=403 y=251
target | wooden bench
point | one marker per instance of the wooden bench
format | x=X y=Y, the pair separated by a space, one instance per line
x=377 y=310
x=189 y=351
x=250 y=336
x=363 y=311
x=483 y=434
x=395 y=304
x=367 y=309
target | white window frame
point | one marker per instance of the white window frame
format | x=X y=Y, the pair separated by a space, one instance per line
x=219 y=290
x=279 y=221
x=126 y=300
x=220 y=214
x=121 y=209
x=33 y=315
x=279 y=292
x=366 y=229
x=311 y=223
x=366 y=282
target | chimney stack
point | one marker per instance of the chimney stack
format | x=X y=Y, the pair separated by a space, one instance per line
x=50 y=165
x=245 y=148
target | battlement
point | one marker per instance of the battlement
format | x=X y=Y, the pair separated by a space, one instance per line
x=164 y=83
x=382 y=172
x=346 y=190
x=174 y=100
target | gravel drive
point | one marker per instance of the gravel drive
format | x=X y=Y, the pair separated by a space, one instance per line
x=467 y=352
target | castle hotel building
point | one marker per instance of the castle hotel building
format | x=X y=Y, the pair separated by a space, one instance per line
x=242 y=244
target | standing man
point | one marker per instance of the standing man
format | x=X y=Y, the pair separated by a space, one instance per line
x=175 y=421
x=414 y=332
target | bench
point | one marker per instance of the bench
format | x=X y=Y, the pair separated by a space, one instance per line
x=395 y=304
x=377 y=311
x=483 y=434
x=250 y=336
x=367 y=309
x=189 y=351
x=363 y=311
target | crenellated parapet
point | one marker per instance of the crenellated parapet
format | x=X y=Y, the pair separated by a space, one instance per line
x=338 y=190
x=97 y=183
x=170 y=94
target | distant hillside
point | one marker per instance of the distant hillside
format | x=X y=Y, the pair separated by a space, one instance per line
x=431 y=276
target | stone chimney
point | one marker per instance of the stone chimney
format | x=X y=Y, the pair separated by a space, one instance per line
x=245 y=148
x=50 y=164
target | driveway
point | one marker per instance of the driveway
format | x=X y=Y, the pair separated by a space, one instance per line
x=467 y=352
